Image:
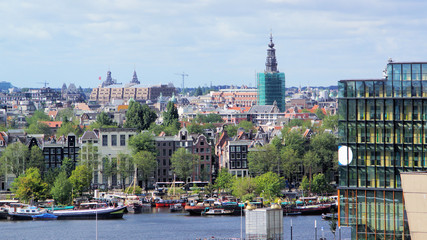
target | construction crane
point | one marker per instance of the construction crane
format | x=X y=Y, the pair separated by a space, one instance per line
x=45 y=83
x=183 y=75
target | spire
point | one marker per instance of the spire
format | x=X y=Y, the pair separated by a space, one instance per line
x=271 y=63
x=135 y=78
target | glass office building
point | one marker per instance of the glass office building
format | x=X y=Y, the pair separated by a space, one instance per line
x=271 y=83
x=382 y=132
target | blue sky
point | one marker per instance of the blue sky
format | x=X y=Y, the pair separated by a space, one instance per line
x=218 y=41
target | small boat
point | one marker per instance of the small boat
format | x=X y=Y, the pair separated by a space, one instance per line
x=312 y=209
x=91 y=210
x=217 y=211
x=19 y=211
x=328 y=216
x=45 y=216
x=176 y=207
x=292 y=213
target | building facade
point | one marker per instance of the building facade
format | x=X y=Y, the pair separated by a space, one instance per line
x=382 y=132
x=196 y=144
x=271 y=83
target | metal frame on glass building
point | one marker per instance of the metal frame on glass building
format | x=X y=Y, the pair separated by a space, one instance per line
x=382 y=132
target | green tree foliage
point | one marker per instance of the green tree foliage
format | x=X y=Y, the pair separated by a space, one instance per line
x=81 y=178
x=198 y=91
x=244 y=188
x=320 y=114
x=311 y=163
x=37 y=116
x=67 y=128
x=38 y=128
x=171 y=114
x=67 y=166
x=268 y=185
x=305 y=185
x=14 y=159
x=224 y=181
x=139 y=116
x=88 y=156
x=66 y=113
x=325 y=146
x=182 y=163
x=29 y=186
x=146 y=163
x=62 y=188
x=142 y=142
x=36 y=159
x=104 y=120
x=291 y=163
x=125 y=165
x=330 y=122
x=295 y=141
x=50 y=175
x=232 y=129
x=264 y=159
x=195 y=128
x=170 y=130
x=208 y=118
x=320 y=185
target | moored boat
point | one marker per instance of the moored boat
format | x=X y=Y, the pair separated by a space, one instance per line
x=45 y=216
x=19 y=211
x=91 y=211
x=217 y=211
x=311 y=209
x=176 y=207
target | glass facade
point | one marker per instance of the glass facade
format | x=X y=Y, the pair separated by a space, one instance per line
x=271 y=87
x=383 y=125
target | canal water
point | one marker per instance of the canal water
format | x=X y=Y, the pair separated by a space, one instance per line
x=158 y=224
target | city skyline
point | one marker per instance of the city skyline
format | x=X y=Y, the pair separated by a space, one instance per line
x=218 y=42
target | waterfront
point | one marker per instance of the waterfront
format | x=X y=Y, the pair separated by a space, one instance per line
x=156 y=224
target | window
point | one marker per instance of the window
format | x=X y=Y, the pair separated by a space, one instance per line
x=238 y=149
x=244 y=164
x=232 y=149
x=170 y=152
x=207 y=158
x=202 y=150
x=104 y=140
x=202 y=158
x=113 y=140
x=244 y=155
x=238 y=155
x=202 y=143
x=122 y=140
x=238 y=164
x=232 y=164
x=232 y=156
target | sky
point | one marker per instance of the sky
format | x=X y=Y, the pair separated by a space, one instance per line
x=218 y=42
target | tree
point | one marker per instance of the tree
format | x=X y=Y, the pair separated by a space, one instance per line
x=330 y=122
x=320 y=185
x=198 y=91
x=14 y=159
x=268 y=185
x=320 y=114
x=37 y=116
x=246 y=125
x=66 y=113
x=305 y=185
x=139 y=116
x=29 y=186
x=104 y=120
x=67 y=128
x=311 y=163
x=125 y=166
x=38 y=128
x=224 y=181
x=325 y=146
x=182 y=163
x=195 y=128
x=142 y=142
x=296 y=141
x=81 y=178
x=171 y=114
x=244 y=188
x=67 y=166
x=146 y=163
x=264 y=159
x=36 y=159
x=290 y=163
x=62 y=189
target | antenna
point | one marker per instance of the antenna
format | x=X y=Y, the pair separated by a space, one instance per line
x=183 y=75
x=45 y=83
